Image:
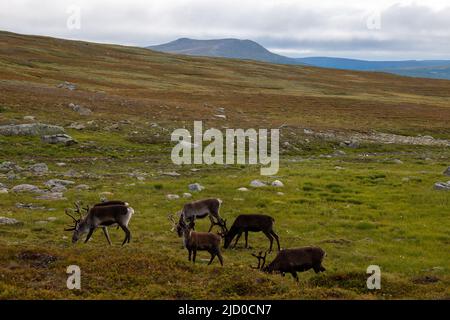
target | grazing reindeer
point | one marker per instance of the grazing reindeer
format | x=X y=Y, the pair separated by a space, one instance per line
x=293 y=261
x=253 y=223
x=201 y=209
x=102 y=215
x=198 y=241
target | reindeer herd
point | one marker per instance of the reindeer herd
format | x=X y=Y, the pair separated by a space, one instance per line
x=109 y=213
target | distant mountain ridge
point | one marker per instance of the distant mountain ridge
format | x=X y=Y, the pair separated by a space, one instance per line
x=251 y=50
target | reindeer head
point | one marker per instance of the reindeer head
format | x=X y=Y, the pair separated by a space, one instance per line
x=179 y=226
x=80 y=226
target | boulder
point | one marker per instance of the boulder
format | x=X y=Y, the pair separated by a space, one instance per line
x=38 y=168
x=187 y=195
x=172 y=196
x=244 y=189
x=58 y=182
x=7 y=166
x=58 y=188
x=29 y=118
x=3 y=190
x=80 y=109
x=26 y=188
x=82 y=187
x=59 y=138
x=30 y=129
x=442 y=186
x=195 y=187
x=67 y=85
x=77 y=126
x=447 y=171
x=9 y=221
x=257 y=184
x=277 y=183
x=171 y=174
x=51 y=196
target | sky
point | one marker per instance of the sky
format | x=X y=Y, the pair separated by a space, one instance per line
x=364 y=29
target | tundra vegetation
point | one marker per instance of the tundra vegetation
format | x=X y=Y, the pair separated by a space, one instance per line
x=363 y=202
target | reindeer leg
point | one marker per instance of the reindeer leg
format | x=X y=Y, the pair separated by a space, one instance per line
x=213 y=255
x=194 y=255
x=246 y=239
x=237 y=239
x=268 y=235
x=276 y=238
x=212 y=223
x=294 y=274
x=105 y=231
x=91 y=231
x=127 y=233
x=189 y=255
x=219 y=255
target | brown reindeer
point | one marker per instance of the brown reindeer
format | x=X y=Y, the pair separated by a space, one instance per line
x=246 y=223
x=101 y=215
x=201 y=209
x=198 y=241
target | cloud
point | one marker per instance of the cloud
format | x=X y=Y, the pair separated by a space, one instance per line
x=407 y=30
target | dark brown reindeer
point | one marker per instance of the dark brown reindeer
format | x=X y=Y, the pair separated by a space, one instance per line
x=101 y=215
x=198 y=241
x=246 y=223
x=293 y=261
x=201 y=209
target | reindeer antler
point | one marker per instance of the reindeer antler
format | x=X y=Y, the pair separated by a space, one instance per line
x=260 y=258
x=74 y=219
x=172 y=219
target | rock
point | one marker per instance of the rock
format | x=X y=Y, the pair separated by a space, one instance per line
x=277 y=183
x=442 y=186
x=171 y=174
x=172 y=196
x=80 y=109
x=350 y=144
x=38 y=168
x=30 y=129
x=257 y=184
x=244 y=189
x=82 y=187
x=195 y=187
x=280 y=193
x=8 y=166
x=71 y=174
x=52 y=218
x=187 y=195
x=447 y=171
x=29 y=118
x=77 y=126
x=67 y=85
x=397 y=161
x=58 y=182
x=59 y=138
x=308 y=131
x=3 y=190
x=222 y=116
x=28 y=206
x=51 y=196
x=340 y=153
x=26 y=188
x=338 y=168
x=61 y=164
x=58 y=188
x=8 y=221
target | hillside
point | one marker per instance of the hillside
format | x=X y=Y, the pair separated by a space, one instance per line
x=357 y=163
x=246 y=49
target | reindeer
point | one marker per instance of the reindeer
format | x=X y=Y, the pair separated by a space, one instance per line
x=293 y=261
x=101 y=215
x=201 y=209
x=198 y=241
x=253 y=223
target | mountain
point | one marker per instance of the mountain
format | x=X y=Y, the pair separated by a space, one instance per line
x=250 y=50
x=224 y=48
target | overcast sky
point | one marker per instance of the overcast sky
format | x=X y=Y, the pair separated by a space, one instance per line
x=369 y=29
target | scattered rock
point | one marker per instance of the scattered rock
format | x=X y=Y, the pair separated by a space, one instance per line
x=257 y=184
x=9 y=221
x=171 y=174
x=338 y=168
x=28 y=206
x=30 y=129
x=172 y=196
x=51 y=196
x=80 y=109
x=308 y=131
x=26 y=188
x=340 y=153
x=52 y=218
x=58 y=182
x=195 y=187
x=442 y=186
x=7 y=166
x=59 y=138
x=280 y=193
x=447 y=171
x=61 y=164
x=187 y=195
x=277 y=183
x=222 y=116
x=37 y=259
x=243 y=189
x=29 y=118
x=38 y=168
x=82 y=187
x=71 y=174
x=350 y=144
x=58 y=188
x=67 y=85
x=3 y=190
x=397 y=161
x=77 y=126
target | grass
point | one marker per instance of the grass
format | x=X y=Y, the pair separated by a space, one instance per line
x=360 y=207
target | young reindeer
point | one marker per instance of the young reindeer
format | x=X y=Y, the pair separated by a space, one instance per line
x=198 y=241
x=102 y=215
x=201 y=209
x=246 y=223
x=293 y=261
